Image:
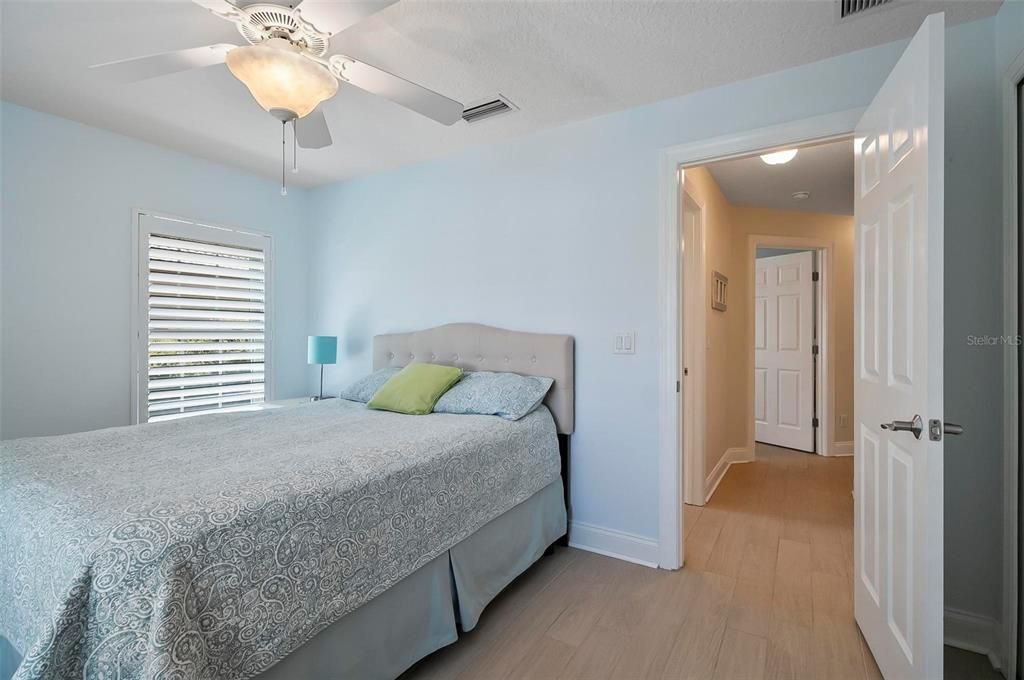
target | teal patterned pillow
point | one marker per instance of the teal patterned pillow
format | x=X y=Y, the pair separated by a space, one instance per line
x=508 y=395
x=364 y=388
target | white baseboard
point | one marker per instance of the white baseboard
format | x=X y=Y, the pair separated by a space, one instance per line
x=841 y=449
x=614 y=543
x=978 y=634
x=731 y=456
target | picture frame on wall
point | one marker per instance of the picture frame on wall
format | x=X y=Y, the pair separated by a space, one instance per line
x=719 y=291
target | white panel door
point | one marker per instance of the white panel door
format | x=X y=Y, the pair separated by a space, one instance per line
x=783 y=358
x=898 y=206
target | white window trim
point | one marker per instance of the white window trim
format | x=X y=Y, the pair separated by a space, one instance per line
x=139 y=310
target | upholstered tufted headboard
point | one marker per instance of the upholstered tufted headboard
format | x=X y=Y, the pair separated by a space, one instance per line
x=475 y=347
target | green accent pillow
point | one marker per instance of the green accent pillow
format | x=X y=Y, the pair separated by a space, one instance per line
x=415 y=389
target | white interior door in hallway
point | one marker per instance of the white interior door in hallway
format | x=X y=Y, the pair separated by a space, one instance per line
x=898 y=343
x=783 y=351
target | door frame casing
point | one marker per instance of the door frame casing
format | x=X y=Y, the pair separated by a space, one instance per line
x=1011 y=397
x=796 y=132
x=693 y=386
x=825 y=366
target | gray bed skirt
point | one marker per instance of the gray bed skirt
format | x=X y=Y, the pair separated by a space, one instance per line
x=418 y=615
x=492 y=557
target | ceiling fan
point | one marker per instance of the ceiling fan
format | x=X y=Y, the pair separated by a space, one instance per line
x=286 y=67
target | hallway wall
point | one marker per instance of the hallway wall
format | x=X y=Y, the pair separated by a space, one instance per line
x=725 y=425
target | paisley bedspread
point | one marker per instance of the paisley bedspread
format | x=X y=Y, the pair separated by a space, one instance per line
x=213 y=546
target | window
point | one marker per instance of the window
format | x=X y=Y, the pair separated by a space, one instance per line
x=202 y=344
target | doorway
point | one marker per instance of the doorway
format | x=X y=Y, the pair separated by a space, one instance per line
x=774 y=510
x=786 y=345
x=898 y=331
x=745 y=206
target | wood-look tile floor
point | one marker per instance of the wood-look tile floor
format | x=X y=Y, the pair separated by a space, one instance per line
x=766 y=593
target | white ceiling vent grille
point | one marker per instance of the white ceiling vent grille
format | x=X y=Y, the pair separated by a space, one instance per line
x=848 y=8
x=488 y=109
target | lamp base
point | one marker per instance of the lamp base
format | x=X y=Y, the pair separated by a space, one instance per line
x=316 y=398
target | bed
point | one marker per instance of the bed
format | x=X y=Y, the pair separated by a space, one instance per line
x=318 y=541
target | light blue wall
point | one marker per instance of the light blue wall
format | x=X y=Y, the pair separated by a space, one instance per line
x=557 y=231
x=68 y=195
x=772 y=252
x=1009 y=23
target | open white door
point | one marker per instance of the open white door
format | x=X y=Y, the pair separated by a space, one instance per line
x=898 y=363
x=783 y=358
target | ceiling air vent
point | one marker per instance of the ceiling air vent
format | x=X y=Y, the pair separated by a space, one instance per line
x=487 y=109
x=849 y=8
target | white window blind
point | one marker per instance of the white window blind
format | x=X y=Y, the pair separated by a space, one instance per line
x=206 y=319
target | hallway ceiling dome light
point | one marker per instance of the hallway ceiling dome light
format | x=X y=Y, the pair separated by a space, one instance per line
x=779 y=157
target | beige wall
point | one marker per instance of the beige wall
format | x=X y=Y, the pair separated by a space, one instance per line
x=726 y=385
x=730 y=334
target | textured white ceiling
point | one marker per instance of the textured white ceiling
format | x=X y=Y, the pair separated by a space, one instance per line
x=826 y=170
x=557 y=60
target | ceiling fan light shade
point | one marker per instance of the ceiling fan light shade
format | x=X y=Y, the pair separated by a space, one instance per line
x=779 y=157
x=280 y=78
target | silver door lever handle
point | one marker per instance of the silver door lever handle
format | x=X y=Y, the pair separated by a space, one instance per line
x=916 y=426
x=937 y=428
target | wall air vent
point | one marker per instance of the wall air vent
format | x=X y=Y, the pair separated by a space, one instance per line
x=849 y=8
x=488 y=109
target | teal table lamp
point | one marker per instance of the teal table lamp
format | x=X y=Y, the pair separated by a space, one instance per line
x=322 y=349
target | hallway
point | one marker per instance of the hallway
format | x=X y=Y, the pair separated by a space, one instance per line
x=782 y=527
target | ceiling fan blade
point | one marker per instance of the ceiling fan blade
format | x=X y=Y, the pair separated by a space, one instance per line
x=154 y=65
x=311 y=132
x=332 y=16
x=401 y=91
x=223 y=9
x=216 y=5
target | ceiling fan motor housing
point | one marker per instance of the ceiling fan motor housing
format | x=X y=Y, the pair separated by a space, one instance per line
x=263 y=21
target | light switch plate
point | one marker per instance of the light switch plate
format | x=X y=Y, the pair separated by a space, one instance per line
x=625 y=343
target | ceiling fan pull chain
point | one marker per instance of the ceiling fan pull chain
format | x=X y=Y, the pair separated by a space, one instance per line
x=295 y=147
x=284 y=148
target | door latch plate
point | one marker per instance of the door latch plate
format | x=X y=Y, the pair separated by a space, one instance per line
x=935 y=430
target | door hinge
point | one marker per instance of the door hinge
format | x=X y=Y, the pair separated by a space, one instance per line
x=815 y=276
x=814 y=422
x=814 y=350
x=677 y=386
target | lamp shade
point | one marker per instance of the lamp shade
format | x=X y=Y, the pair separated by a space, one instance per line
x=280 y=78
x=322 y=349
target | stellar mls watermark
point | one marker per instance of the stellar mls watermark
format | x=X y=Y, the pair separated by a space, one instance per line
x=993 y=340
